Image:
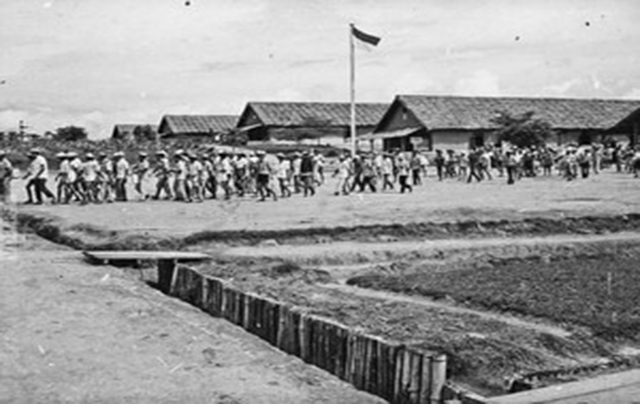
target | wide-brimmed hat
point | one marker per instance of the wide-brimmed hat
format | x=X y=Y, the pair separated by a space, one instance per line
x=58 y=155
x=260 y=152
x=3 y=152
x=142 y=154
x=90 y=156
x=72 y=154
x=102 y=154
x=161 y=153
x=118 y=154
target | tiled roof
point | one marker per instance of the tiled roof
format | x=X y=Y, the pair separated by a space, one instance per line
x=324 y=113
x=472 y=113
x=192 y=124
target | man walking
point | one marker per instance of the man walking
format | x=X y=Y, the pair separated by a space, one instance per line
x=6 y=175
x=38 y=173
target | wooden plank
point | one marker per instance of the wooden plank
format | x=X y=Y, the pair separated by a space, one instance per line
x=425 y=386
x=414 y=377
x=166 y=268
x=115 y=256
x=397 y=376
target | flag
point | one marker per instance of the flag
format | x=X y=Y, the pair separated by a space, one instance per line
x=364 y=37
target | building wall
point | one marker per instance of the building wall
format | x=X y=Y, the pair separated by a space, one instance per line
x=400 y=118
x=451 y=140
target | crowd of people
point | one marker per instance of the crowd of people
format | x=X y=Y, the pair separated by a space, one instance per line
x=195 y=176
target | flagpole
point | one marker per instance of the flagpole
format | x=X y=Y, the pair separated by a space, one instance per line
x=352 y=59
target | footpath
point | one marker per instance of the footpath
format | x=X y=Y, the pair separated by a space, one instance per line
x=75 y=333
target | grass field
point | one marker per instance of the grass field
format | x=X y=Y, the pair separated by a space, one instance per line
x=599 y=293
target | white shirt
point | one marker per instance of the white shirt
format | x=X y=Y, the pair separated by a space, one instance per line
x=122 y=169
x=181 y=170
x=39 y=163
x=69 y=173
x=283 y=169
x=90 y=170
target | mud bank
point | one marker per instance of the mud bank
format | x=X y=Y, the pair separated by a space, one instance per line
x=87 y=236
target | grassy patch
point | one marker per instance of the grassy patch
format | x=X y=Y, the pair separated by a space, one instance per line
x=599 y=293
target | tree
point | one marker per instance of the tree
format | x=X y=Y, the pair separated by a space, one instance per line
x=234 y=138
x=521 y=130
x=145 y=133
x=70 y=134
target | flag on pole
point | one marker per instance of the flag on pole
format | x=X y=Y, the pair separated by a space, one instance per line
x=364 y=37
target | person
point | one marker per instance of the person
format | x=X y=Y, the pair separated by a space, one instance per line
x=635 y=162
x=584 y=162
x=196 y=176
x=163 y=174
x=484 y=164
x=387 y=172
x=368 y=175
x=463 y=164
x=263 y=178
x=140 y=171
x=546 y=161
x=106 y=178
x=474 y=162
x=416 y=168
x=403 y=173
x=343 y=171
x=6 y=175
x=211 y=183
x=511 y=166
x=297 y=183
x=241 y=174
x=439 y=161
x=356 y=163
x=306 y=174
x=38 y=173
x=90 y=170
x=284 y=173
x=180 y=176
x=121 y=174
x=76 y=166
x=64 y=178
x=318 y=164
x=225 y=171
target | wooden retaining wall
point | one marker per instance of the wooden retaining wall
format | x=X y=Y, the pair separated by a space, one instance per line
x=386 y=369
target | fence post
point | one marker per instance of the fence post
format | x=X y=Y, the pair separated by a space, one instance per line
x=438 y=377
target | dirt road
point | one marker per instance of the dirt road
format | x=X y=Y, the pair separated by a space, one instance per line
x=76 y=333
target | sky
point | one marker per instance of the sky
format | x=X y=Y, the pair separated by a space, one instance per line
x=95 y=63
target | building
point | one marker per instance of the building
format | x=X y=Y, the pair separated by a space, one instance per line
x=181 y=126
x=458 y=123
x=325 y=123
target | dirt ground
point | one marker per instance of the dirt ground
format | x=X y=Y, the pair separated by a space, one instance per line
x=450 y=201
x=76 y=333
x=303 y=250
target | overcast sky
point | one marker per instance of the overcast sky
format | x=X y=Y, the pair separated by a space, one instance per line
x=95 y=63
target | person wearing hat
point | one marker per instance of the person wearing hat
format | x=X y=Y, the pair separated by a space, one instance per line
x=162 y=172
x=195 y=178
x=140 y=171
x=90 y=171
x=180 y=177
x=387 y=172
x=242 y=174
x=122 y=170
x=37 y=174
x=106 y=180
x=6 y=175
x=343 y=172
x=307 y=170
x=63 y=189
x=263 y=178
x=210 y=183
x=284 y=173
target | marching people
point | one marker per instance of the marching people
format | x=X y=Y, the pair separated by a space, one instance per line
x=194 y=175
x=6 y=175
x=106 y=178
x=307 y=171
x=343 y=172
x=403 y=173
x=37 y=176
x=121 y=174
x=284 y=175
x=162 y=172
x=140 y=170
x=90 y=169
x=264 y=178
